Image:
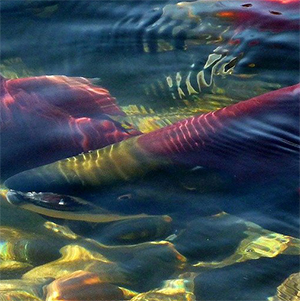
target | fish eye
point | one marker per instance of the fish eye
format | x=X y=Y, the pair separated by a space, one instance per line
x=61 y=202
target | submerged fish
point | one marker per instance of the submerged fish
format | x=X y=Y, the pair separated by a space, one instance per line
x=257 y=138
x=47 y=118
x=122 y=37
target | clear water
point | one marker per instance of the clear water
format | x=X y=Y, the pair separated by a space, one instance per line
x=145 y=53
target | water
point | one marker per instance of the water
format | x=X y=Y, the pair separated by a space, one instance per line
x=224 y=217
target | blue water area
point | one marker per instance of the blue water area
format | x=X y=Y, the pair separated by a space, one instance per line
x=161 y=61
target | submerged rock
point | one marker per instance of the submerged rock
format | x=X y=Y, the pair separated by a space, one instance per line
x=20 y=290
x=249 y=280
x=13 y=269
x=181 y=289
x=289 y=290
x=258 y=243
x=211 y=237
x=74 y=258
x=137 y=230
x=147 y=264
x=82 y=285
x=27 y=248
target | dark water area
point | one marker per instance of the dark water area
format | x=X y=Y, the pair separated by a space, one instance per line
x=132 y=207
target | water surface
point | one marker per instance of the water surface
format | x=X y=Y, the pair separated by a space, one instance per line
x=163 y=61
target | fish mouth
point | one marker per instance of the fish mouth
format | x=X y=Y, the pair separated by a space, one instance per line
x=16 y=198
x=46 y=200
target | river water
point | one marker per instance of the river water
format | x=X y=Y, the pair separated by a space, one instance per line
x=223 y=235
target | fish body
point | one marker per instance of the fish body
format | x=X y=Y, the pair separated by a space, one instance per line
x=47 y=118
x=149 y=43
x=248 y=137
x=254 y=138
